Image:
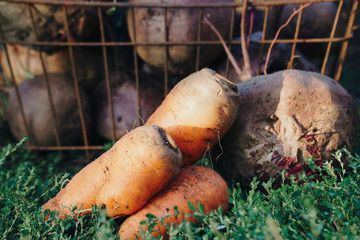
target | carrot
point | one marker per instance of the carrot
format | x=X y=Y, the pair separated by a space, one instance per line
x=124 y=178
x=197 y=113
x=194 y=184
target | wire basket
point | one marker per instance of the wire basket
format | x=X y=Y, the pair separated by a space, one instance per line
x=74 y=26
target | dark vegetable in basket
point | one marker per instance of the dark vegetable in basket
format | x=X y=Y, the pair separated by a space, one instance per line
x=182 y=25
x=279 y=59
x=285 y=118
x=37 y=109
x=49 y=19
x=125 y=105
x=316 y=22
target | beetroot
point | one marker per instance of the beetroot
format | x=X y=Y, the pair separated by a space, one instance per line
x=285 y=118
x=125 y=105
x=316 y=22
x=279 y=59
x=38 y=113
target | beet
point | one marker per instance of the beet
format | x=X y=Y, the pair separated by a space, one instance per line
x=285 y=118
x=125 y=105
x=279 y=59
x=182 y=27
x=38 y=113
x=316 y=22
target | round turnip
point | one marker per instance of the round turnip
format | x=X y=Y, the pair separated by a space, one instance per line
x=285 y=118
x=182 y=25
x=38 y=114
x=125 y=105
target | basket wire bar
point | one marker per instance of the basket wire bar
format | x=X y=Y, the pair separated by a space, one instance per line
x=227 y=66
x=198 y=38
x=296 y=35
x=107 y=78
x=166 y=65
x=76 y=81
x=332 y=34
x=47 y=83
x=74 y=3
x=16 y=88
x=345 y=43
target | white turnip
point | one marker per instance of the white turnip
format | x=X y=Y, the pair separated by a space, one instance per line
x=38 y=114
x=182 y=24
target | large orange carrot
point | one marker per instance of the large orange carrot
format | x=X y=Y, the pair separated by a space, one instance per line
x=124 y=178
x=194 y=184
x=198 y=112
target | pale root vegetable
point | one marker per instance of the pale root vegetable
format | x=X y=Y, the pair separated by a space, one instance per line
x=194 y=184
x=285 y=118
x=125 y=105
x=197 y=113
x=49 y=19
x=125 y=177
x=182 y=26
x=26 y=62
x=39 y=117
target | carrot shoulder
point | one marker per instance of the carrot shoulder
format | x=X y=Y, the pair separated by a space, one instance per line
x=124 y=178
x=193 y=183
x=197 y=112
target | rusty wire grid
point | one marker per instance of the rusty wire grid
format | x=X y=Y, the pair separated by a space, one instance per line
x=347 y=8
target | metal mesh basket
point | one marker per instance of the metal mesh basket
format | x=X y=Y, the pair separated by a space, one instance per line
x=65 y=16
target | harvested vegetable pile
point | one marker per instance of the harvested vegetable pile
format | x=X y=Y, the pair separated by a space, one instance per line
x=267 y=133
x=113 y=181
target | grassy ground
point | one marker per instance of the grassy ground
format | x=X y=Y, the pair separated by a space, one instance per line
x=326 y=209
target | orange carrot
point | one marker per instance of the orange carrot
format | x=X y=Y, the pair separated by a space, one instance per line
x=197 y=113
x=194 y=184
x=124 y=178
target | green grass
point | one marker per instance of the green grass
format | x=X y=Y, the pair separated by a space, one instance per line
x=326 y=209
